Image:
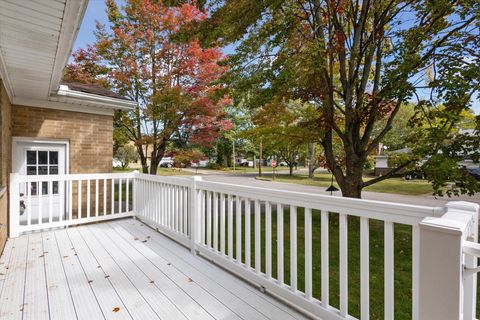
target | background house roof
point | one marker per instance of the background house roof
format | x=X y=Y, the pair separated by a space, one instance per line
x=93 y=89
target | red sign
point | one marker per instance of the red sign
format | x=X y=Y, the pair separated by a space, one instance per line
x=274 y=163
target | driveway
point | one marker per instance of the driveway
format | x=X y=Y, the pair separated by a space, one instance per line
x=249 y=179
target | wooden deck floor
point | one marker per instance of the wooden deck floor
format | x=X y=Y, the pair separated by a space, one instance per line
x=121 y=270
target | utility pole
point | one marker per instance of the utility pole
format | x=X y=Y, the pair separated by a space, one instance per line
x=260 y=160
x=233 y=155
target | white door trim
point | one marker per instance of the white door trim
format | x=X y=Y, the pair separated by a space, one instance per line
x=45 y=141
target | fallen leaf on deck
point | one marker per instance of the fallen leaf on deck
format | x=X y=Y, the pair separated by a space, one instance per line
x=90 y=281
x=116 y=309
x=107 y=276
x=190 y=280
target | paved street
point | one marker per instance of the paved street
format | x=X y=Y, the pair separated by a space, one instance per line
x=249 y=179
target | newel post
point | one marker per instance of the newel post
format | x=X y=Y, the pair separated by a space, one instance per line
x=14 y=212
x=441 y=262
x=195 y=214
x=135 y=193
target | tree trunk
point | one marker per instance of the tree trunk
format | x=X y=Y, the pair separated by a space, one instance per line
x=143 y=159
x=311 y=160
x=290 y=166
x=352 y=183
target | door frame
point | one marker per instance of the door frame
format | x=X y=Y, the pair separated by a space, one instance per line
x=35 y=140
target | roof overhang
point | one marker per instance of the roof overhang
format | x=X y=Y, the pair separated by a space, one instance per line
x=36 y=39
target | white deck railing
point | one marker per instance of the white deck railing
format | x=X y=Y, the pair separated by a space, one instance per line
x=250 y=230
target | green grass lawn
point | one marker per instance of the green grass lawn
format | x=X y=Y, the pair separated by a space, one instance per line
x=403 y=261
x=160 y=171
x=393 y=185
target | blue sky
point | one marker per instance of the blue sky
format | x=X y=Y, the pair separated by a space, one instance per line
x=96 y=12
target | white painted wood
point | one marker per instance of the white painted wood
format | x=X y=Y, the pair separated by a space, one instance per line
x=79 y=199
x=308 y=252
x=105 y=293
x=182 y=259
x=88 y=199
x=209 y=219
x=203 y=216
x=60 y=302
x=120 y=186
x=215 y=221
x=293 y=248
x=389 y=271
x=230 y=226
x=112 y=183
x=280 y=272
x=34 y=305
x=204 y=298
x=364 y=269
x=258 y=238
x=343 y=239
x=5 y=261
x=238 y=217
x=248 y=233
x=129 y=293
x=104 y=197
x=222 y=223
x=124 y=256
x=11 y=299
x=268 y=239
x=96 y=197
x=415 y=271
x=325 y=259
x=50 y=201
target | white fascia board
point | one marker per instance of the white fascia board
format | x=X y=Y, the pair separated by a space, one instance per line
x=4 y=77
x=72 y=19
x=49 y=104
x=101 y=101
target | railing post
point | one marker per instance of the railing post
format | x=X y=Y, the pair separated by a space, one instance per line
x=194 y=215
x=14 y=212
x=441 y=263
x=134 y=192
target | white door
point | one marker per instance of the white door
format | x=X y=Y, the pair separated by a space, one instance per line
x=38 y=158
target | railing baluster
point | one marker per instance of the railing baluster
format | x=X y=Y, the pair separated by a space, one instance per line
x=50 y=201
x=268 y=239
x=39 y=192
x=238 y=216
x=175 y=208
x=180 y=210
x=280 y=274
x=209 y=219
x=113 y=196
x=128 y=196
x=29 y=203
x=325 y=259
x=364 y=269
x=215 y=221
x=308 y=253
x=185 y=212
x=203 y=194
x=389 y=269
x=343 y=226
x=79 y=198
x=70 y=200
x=96 y=198
x=222 y=224
x=230 y=226
x=104 y=197
x=415 y=270
x=88 y=198
x=293 y=248
x=120 y=199
x=248 y=233
x=258 y=238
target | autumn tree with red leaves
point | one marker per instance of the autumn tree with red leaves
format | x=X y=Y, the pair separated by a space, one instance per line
x=174 y=83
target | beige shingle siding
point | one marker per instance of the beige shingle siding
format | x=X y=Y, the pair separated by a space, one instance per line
x=90 y=135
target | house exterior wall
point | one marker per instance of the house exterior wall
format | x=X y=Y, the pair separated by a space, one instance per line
x=90 y=135
x=5 y=160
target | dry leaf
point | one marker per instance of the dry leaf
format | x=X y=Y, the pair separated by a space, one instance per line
x=135 y=238
x=190 y=280
x=116 y=309
x=107 y=276
x=152 y=281
x=144 y=241
x=90 y=281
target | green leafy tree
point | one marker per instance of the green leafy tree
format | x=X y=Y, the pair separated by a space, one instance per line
x=125 y=154
x=359 y=63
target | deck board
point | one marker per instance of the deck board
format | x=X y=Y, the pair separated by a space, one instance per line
x=121 y=270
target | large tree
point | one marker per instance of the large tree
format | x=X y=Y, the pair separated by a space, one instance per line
x=359 y=62
x=173 y=81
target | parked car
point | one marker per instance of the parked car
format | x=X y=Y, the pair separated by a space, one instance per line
x=474 y=172
x=166 y=162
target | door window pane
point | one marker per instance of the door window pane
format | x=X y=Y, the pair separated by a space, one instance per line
x=31 y=157
x=44 y=187
x=31 y=170
x=53 y=155
x=55 y=187
x=42 y=170
x=33 y=189
x=53 y=169
x=42 y=157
